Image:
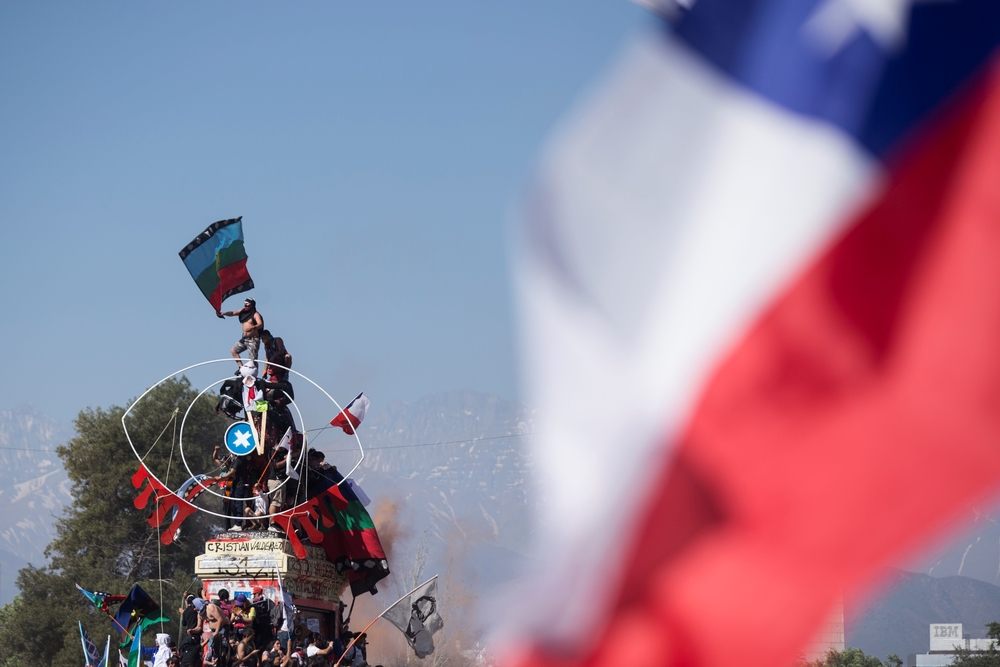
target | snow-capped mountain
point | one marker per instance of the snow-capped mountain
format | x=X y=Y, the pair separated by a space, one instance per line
x=459 y=458
x=455 y=467
x=33 y=489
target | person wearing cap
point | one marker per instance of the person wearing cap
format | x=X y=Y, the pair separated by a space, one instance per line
x=253 y=324
x=243 y=613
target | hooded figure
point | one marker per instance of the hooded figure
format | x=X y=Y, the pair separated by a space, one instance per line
x=163 y=652
x=249 y=310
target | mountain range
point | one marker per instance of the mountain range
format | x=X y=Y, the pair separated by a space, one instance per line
x=33 y=489
x=897 y=621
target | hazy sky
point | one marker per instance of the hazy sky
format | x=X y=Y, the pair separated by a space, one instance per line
x=374 y=151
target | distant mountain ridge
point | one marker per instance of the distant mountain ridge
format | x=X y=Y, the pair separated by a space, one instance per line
x=898 y=621
x=453 y=464
x=457 y=463
x=33 y=489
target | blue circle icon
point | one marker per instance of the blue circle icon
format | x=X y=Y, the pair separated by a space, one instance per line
x=240 y=438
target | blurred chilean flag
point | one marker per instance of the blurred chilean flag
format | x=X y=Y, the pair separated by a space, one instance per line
x=775 y=229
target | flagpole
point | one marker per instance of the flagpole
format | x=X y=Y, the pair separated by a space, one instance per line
x=384 y=612
x=115 y=621
x=84 y=644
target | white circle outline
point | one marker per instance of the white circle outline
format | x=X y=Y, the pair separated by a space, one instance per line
x=230 y=360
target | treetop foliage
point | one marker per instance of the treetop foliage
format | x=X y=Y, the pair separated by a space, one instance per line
x=102 y=541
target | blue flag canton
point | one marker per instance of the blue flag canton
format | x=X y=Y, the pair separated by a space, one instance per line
x=871 y=68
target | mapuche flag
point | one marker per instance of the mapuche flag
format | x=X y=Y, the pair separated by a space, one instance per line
x=217 y=261
x=352 y=544
x=777 y=225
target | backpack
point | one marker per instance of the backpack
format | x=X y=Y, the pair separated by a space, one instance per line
x=230 y=398
x=277 y=615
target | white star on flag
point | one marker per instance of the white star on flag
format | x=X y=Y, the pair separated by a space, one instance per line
x=835 y=22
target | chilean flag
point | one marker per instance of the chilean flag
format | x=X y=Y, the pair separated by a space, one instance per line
x=352 y=416
x=775 y=226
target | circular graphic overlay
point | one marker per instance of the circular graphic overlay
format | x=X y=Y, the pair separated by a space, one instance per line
x=241 y=439
x=234 y=434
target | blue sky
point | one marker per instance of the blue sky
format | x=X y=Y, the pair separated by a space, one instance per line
x=374 y=150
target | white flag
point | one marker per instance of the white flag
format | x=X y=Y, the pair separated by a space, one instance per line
x=288 y=608
x=286 y=442
x=417 y=616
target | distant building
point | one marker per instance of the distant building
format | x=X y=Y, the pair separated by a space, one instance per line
x=945 y=639
x=830 y=636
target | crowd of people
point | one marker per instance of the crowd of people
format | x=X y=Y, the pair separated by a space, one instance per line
x=275 y=476
x=251 y=632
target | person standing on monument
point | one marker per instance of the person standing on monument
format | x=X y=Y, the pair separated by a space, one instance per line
x=253 y=324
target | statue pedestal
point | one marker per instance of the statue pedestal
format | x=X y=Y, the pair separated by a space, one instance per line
x=239 y=561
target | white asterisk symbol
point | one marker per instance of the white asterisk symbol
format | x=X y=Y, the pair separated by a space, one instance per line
x=242 y=439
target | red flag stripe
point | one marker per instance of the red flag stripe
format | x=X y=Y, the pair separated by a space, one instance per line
x=856 y=416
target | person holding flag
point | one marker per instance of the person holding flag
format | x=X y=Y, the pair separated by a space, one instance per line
x=253 y=324
x=416 y=614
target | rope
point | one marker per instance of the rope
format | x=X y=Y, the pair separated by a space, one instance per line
x=159 y=558
x=173 y=420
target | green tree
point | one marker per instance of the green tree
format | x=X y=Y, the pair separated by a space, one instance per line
x=852 y=657
x=966 y=658
x=102 y=541
x=990 y=658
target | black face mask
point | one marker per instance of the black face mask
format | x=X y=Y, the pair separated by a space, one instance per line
x=247 y=313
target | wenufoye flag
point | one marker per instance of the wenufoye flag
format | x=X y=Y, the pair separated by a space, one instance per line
x=217 y=261
x=774 y=228
x=418 y=617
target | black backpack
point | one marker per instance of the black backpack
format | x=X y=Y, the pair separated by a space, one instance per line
x=277 y=615
x=230 y=398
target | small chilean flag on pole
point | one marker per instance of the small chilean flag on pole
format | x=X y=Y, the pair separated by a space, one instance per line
x=352 y=416
x=775 y=227
x=217 y=261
